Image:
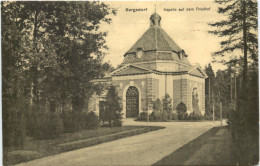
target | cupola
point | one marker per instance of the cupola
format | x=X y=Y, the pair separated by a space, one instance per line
x=155 y=20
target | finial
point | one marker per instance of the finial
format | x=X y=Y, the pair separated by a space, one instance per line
x=155 y=7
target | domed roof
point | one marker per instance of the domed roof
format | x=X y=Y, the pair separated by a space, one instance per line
x=156 y=40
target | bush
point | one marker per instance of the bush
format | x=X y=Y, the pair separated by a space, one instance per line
x=156 y=115
x=47 y=125
x=76 y=121
x=71 y=121
x=92 y=121
x=157 y=105
x=14 y=130
x=182 y=111
x=164 y=116
x=174 y=116
x=184 y=116
x=208 y=116
x=181 y=107
x=143 y=116
x=193 y=116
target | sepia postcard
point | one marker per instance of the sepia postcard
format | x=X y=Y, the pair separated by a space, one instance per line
x=130 y=83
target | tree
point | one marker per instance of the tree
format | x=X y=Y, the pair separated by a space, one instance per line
x=240 y=37
x=50 y=52
x=61 y=42
x=209 y=86
x=113 y=108
x=167 y=107
x=239 y=31
x=13 y=76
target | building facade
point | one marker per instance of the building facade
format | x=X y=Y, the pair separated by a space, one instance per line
x=154 y=66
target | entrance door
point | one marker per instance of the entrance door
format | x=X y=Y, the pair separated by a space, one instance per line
x=132 y=102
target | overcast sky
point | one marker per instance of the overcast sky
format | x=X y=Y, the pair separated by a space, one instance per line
x=187 y=28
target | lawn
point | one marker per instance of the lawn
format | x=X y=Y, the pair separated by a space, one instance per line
x=34 y=149
x=211 y=148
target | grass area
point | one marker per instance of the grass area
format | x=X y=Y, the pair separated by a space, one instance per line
x=211 y=148
x=34 y=149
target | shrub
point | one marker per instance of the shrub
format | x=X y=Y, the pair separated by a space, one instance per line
x=156 y=115
x=143 y=116
x=208 y=116
x=164 y=116
x=47 y=125
x=92 y=121
x=14 y=130
x=184 y=116
x=157 y=105
x=193 y=116
x=75 y=121
x=71 y=121
x=174 y=116
x=182 y=111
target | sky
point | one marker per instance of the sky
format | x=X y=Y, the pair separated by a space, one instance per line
x=188 y=28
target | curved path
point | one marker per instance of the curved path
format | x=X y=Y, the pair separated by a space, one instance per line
x=143 y=149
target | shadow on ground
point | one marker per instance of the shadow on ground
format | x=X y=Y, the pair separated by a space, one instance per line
x=211 y=148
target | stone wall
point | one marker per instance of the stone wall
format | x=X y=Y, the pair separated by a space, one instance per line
x=152 y=87
x=182 y=91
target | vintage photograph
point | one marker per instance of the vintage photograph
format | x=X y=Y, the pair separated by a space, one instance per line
x=130 y=83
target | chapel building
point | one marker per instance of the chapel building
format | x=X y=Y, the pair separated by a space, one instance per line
x=154 y=66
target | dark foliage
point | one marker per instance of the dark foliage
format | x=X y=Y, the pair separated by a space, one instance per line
x=47 y=125
x=157 y=105
x=143 y=116
x=155 y=115
x=14 y=127
x=244 y=126
x=182 y=111
x=112 y=115
x=167 y=104
x=173 y=116
x=194 y=117
x=50 y=52
x=75 y=121
x=240 y=34
x=238 y=30
x=92 y=121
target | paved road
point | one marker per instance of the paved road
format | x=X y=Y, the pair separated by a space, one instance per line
x=143 y=149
